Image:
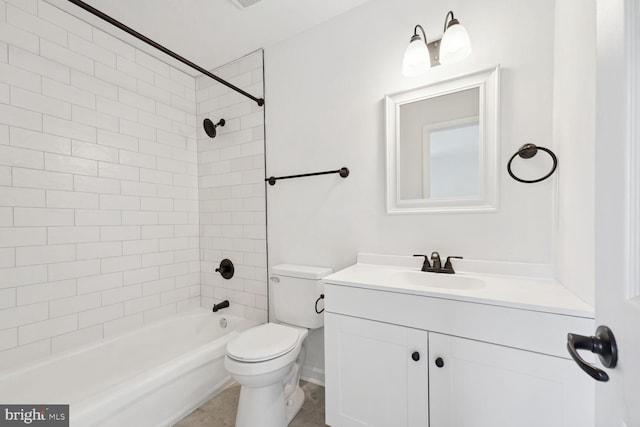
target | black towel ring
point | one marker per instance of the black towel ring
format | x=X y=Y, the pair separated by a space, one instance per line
x=527 y=151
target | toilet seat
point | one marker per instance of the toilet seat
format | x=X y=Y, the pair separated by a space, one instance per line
x=262 y=343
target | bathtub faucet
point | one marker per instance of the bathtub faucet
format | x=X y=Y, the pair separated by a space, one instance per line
x=223 y=304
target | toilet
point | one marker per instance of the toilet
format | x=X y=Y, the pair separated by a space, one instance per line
x=266 y=360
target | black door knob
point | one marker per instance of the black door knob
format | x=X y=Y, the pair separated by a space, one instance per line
x=439 y=362
x=415 y=356
x=603 y=344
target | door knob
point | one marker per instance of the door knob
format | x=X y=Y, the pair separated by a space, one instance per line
x=415 y=356
x=603 y=344
x=439 y=362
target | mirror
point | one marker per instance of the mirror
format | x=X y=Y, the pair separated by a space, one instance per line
x=442 y=146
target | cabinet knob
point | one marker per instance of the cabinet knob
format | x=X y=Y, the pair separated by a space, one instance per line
x=439 y=362
x=415 y=356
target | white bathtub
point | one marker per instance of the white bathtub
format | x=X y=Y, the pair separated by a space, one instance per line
x=152 y=376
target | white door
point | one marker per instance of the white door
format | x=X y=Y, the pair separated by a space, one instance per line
x=617 y=211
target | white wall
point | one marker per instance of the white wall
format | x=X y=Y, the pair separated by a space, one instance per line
x=232 y=189
x=574 y=140
x=98 y=185
x=324 y=94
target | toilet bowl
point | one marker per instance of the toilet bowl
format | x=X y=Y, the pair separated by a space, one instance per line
x=266 y=360
x=262 y=372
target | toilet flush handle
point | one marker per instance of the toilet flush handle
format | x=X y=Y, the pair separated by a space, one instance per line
x=321 y=297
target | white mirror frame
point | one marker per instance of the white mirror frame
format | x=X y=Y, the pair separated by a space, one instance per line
x=488 y=83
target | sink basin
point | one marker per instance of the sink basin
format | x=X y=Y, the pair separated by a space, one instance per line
x=438 y=280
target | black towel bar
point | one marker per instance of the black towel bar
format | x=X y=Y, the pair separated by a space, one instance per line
x=344 y=172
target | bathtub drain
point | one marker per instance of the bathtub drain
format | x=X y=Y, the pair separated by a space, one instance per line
x=223 y=323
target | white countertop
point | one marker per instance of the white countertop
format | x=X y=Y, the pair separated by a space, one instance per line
x=527 y=293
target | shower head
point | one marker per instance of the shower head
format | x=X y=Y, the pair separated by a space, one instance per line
x=210 y=127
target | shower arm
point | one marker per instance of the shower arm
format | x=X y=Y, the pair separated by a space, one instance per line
x=134 y=33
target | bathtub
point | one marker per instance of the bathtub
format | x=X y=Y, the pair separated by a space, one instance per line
x=152 y=376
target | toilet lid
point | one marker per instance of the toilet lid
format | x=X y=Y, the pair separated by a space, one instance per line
x=263 y=342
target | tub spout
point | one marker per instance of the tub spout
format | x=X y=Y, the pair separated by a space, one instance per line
x=223 y=304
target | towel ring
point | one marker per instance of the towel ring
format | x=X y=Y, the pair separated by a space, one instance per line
x=527 y=151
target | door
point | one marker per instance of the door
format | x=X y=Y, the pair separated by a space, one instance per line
x=376 y=374
x=617 y=211
x=476 y=384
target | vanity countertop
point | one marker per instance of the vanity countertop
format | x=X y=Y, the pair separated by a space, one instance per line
x=527 y=293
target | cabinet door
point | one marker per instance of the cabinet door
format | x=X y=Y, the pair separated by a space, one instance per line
x=487 y=385
x=371 y=376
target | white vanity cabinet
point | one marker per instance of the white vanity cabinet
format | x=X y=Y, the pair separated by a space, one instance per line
x=395 y=359
x=375 y=380
x=481 y=384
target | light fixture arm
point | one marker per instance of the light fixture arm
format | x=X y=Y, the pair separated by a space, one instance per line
x=453 y=21
x=415 y=34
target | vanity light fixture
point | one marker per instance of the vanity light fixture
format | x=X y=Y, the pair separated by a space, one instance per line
x=417 y=58
x=454 y=46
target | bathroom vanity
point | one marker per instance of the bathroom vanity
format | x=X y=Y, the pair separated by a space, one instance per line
x=409 y=348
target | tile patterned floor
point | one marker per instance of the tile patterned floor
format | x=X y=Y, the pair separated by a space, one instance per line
x=220 y=411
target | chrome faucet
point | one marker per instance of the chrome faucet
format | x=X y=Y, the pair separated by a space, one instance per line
x=436 y=266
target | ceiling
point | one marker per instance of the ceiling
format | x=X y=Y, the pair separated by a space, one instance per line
x=210 y=33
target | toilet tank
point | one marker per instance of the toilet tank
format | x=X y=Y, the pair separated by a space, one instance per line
x=294 y=292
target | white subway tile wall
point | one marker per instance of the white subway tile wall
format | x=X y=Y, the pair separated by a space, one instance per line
x=99 y=192
x=232 y=189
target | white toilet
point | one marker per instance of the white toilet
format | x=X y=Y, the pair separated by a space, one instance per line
x=266 y=360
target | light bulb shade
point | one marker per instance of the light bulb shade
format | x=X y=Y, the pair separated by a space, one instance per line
x=455 y=45
x=416 y=58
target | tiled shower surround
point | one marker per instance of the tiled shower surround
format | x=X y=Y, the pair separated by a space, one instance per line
x=232 y=189
x=99 y=200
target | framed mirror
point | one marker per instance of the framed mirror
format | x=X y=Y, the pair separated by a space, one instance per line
x=442 y=146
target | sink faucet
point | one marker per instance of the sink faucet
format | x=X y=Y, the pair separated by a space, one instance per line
x=435 y=261
x=437 y=264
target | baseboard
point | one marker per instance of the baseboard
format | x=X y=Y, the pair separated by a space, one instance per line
x=314 y=376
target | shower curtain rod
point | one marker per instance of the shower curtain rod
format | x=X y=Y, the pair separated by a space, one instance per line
x=134 y=33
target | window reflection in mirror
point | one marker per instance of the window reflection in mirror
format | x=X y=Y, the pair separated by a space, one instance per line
x=452 y=159
x=439 y=153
